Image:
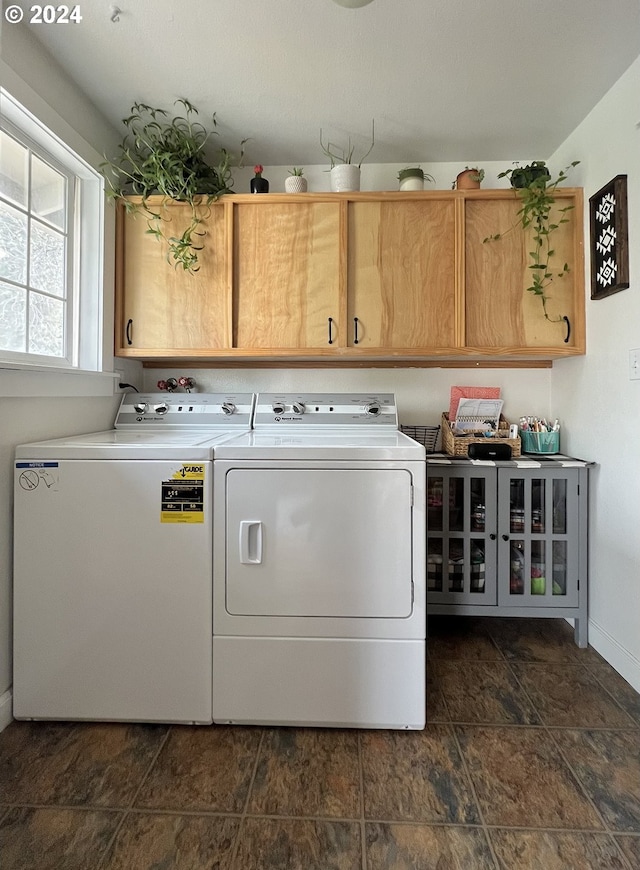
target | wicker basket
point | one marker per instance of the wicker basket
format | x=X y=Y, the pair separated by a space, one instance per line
x=426 y=435
x=458 y=445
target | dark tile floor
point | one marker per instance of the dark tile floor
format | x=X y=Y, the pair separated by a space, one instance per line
x=531 y=759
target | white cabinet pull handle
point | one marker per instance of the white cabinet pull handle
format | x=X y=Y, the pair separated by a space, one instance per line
x=250 y=542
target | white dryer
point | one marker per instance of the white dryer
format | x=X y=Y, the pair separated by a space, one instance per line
x=113 y=563
x=319 y=567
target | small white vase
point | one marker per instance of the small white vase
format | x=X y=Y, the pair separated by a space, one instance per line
x=295 y=184
x=344 y=177
x=412 y=182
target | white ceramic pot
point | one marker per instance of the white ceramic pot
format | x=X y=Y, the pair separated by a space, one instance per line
x=412 y=182
x=295 y=184
x=344 y=177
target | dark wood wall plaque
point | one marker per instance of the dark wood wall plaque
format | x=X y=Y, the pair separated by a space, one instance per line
x=609 y=238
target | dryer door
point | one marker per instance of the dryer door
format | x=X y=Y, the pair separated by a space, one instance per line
x=319 y=542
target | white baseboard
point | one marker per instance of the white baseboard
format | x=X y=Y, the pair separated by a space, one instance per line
x=6 y=709
x=626 y=664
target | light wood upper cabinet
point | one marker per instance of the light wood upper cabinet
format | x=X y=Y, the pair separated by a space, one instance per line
x=499 y=312
x=285 y=277
x=161 y=307
x=286 y=274
x=401 y=273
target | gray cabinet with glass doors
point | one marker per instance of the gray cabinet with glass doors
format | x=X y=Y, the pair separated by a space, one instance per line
x=508 y=539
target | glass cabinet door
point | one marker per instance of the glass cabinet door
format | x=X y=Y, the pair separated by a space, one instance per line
x=461 y=535
x=537 y=522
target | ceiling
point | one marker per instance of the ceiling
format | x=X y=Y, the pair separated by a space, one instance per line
x=445 y=80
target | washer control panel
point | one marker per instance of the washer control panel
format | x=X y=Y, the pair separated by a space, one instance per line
x=313 y=410
x=186 y=410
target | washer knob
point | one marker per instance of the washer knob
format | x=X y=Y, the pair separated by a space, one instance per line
x=140 y=407
x=278 y=408
x=372 y=409
x=298 y=407
x=161 y=409
x=228 y=408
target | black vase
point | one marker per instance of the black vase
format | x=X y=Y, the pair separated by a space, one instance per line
x=259 y=185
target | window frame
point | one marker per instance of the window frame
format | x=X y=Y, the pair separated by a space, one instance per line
x=69 y=358
x=87 y=347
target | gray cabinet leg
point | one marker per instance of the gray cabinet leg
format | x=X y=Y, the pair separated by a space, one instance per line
x=581 y=632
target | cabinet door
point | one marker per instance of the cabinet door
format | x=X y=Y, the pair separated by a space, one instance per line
x=286 y=281
x=401 y=274
x=538 y=527
x=461 y=535
x=163 y=307
x=499 y=312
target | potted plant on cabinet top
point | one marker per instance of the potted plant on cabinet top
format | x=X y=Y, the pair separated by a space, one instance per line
x=536 y=188
x=535 y=174
x=295 y=182
x=468 y=179
x=345 y=172
x=166 y=155
x=413 y=178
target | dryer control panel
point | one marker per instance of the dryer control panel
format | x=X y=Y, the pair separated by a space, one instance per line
x=317 y=410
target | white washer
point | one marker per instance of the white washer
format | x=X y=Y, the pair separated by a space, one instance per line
x=113 y=563
x=319 y=567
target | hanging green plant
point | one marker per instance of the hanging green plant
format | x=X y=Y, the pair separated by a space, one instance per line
x=165 y=155
x=536 y=190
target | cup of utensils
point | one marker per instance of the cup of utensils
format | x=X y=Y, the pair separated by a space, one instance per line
x=539 y=436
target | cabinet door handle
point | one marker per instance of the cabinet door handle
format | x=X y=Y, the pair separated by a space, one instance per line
x=128 y=331
x=505 y=537
x=568 y=322
x=330 y=324
x=355 y=330
x=492 y=536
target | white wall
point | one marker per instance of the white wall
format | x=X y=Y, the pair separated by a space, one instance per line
x=594 y=392
x=35 y=79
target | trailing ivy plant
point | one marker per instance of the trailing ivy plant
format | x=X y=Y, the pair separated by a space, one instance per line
x=164 y=154
x=536 y=190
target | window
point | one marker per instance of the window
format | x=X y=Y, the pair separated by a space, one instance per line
x=36 y=250
x=50 y=248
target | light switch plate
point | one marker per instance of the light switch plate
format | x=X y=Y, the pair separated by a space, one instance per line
x=634 y=364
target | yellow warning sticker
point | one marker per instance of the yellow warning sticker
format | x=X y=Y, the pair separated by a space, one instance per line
x=190 y=472
x=183 y=495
